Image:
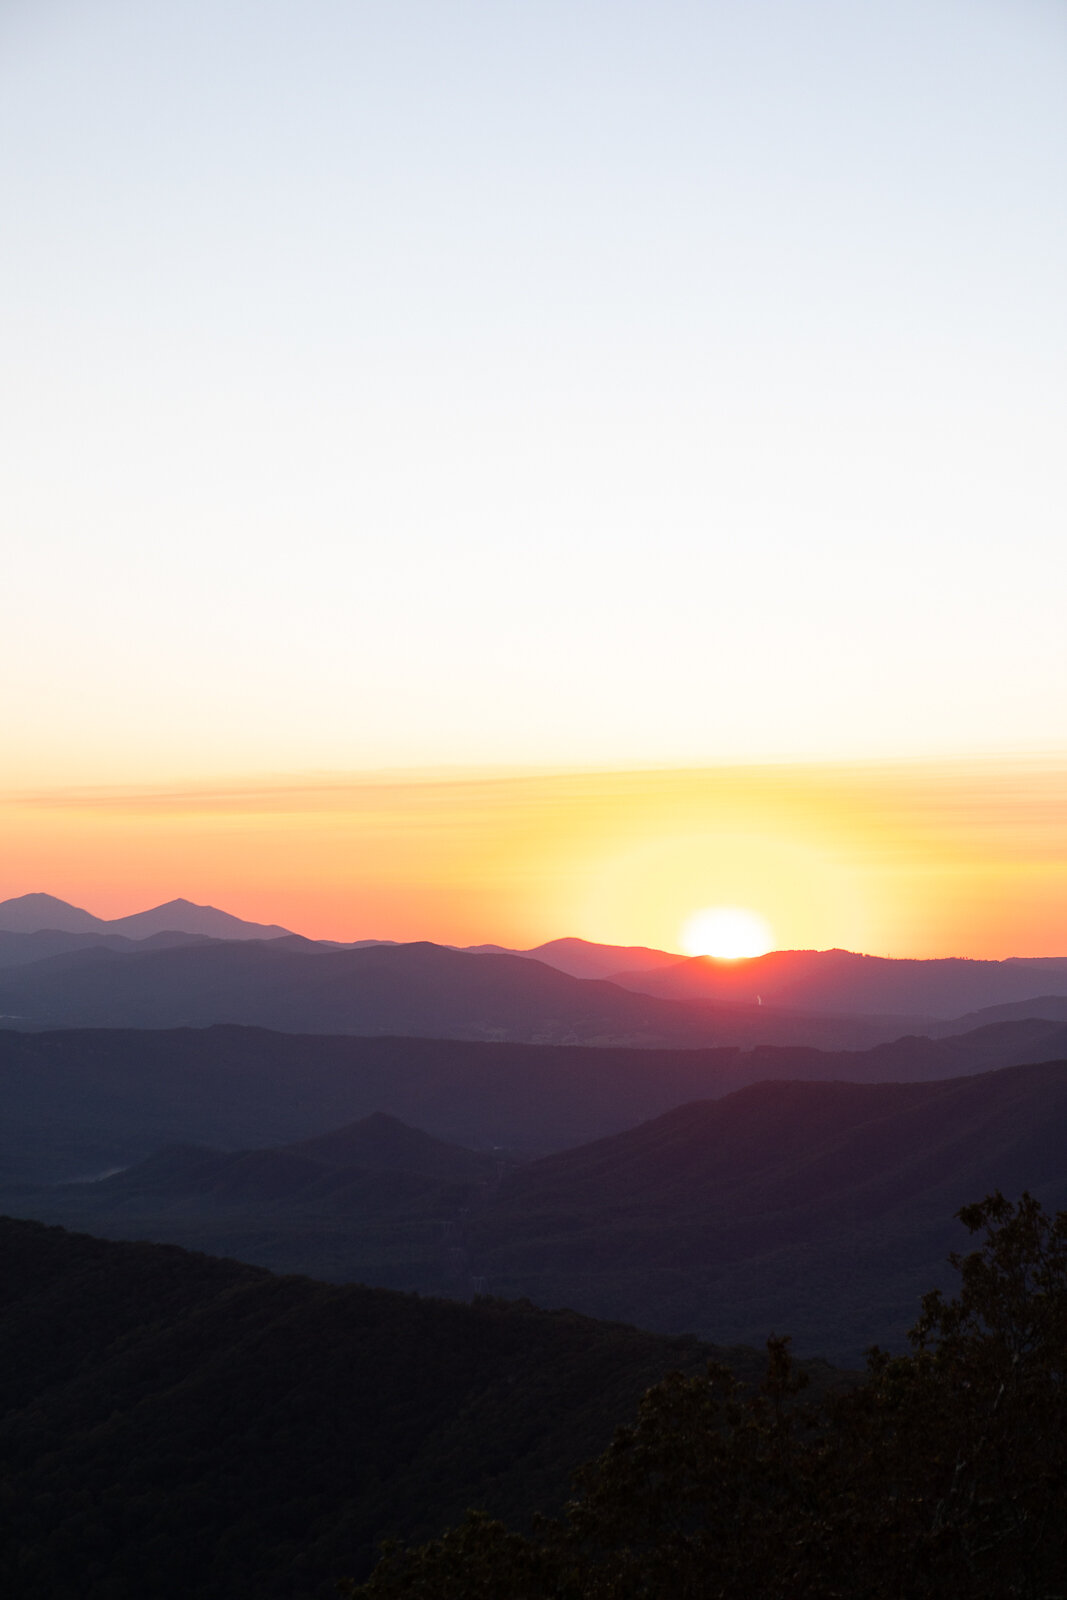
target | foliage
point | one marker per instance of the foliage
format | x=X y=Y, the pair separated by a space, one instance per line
x=177 y=1426
x=944 y=1473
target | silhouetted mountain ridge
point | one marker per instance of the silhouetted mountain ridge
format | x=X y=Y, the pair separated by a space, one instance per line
x=418 y=989
x=846 y=983
x=583 y=959
x=835 y=983
x=37 y=913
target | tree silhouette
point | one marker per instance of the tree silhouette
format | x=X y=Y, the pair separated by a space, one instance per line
x=943 y=1472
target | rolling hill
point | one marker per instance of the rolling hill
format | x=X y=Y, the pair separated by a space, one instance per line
x=81 y=1102
x=842 y=982
x=173 y=1425
x=887 y=994
x=821 y=1209
x=374 y=1202
x=584 y=959
x=422 y=990
x=22 y=949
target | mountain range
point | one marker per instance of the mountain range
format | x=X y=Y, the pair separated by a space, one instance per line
x=421 y=990
x=829 y=982
x=819 y=1208
x=708 y=1150
x=81 y=1102
x=843 y=982
x=374 y=1202
x=36 y=913
x=45 y=918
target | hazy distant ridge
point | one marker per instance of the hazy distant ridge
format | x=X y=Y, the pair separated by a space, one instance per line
x=839 y=984
x=36 y=913
x=849 y=984
x=424 y=990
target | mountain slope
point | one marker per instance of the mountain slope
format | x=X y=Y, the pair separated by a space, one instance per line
x=821 y=1207
x=416 y=989
x=38 y=913
x=177 y=1426
x=583 y=959
x=376 y=1202
x=1048 y=1007
x=81 y=1102
x=182 y=916
x=818 y=1208
x=845 y=983
x=23 y=949
x=30 y=913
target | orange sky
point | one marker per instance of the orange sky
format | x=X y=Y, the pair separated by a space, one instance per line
x=570 y=514
x=907 y=858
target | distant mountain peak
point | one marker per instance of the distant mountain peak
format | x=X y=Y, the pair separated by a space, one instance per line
x=30 y=913
x=582 y=958
x=34 y=913
x=384 y=1141
x=185 y=916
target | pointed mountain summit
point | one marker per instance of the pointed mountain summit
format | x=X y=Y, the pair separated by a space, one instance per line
x=385 y=1142
x=183 y=916
x=36 y=913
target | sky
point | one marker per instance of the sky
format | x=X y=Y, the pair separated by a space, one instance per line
x=536 y=390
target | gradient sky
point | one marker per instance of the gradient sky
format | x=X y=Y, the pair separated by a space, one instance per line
x=604 y=385
x=907 y=858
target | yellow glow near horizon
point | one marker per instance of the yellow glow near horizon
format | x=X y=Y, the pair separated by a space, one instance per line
x=729 y=933
x=904 y=859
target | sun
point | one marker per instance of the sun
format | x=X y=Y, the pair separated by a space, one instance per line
x=726 y=932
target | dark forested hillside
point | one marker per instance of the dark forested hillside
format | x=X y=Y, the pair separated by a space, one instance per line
x=942 y=1473
x=821 y=1209
x=375 y=1202
x=81 y=1102
x=190 y=1429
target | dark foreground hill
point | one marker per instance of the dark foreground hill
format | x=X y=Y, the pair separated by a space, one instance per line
x=191 y=1429
x=79 y=1103
x=421 y=990
x=943 y=1473
x=817 y=1209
